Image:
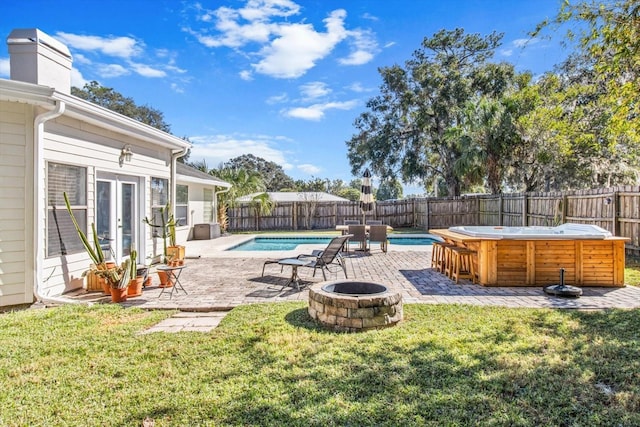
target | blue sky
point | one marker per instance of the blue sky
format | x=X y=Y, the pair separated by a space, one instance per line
x=280 y=79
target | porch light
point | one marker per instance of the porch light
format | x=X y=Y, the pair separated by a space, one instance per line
x=125 y=155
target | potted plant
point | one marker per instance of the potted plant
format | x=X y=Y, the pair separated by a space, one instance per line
x=172 y=253
x=99 y=268
x=136 y=281
x=167 y=229
x=119 y=279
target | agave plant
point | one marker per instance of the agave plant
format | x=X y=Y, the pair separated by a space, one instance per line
x=95 y=252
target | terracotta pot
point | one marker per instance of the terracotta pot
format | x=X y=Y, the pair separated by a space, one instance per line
x=148 y=281
x=164 y=281
x=118 y=294
x=105 y=283
x=135 y=287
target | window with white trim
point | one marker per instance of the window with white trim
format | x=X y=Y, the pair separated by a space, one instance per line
x=182 y=205
x=207 y=214
x=62 y=237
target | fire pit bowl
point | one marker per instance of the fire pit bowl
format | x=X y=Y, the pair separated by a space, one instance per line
x=354 y=306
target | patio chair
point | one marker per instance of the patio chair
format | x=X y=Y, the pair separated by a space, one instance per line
x=359 y=235
x=348 y=222
x=378 y=234
x=317 y=259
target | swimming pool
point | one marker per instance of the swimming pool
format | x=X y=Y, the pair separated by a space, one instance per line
x=291 y=243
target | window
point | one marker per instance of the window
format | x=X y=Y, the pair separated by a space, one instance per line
x=182 y=205
x=62 y=238
x=208 y=205
x=159 y=197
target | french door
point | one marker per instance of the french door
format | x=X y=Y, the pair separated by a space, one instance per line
x=118 y=214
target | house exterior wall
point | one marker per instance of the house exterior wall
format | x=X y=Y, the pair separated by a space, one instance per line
x=196 y=208
x=73 y=142
x=16 y=209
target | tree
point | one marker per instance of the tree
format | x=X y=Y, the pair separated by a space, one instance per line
x=601 y=84
x=273 y=176
x=414 y=128
x=389 y=189
x=114 y=101
x=243 y=182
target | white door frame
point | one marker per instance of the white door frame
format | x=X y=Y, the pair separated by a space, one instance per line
x=121 y=225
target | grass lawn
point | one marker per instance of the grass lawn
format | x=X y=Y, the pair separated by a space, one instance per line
x=270 y=365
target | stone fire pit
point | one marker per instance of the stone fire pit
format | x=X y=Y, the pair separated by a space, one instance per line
x=352 y=305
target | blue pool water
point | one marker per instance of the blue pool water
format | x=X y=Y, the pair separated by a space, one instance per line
x=291 y=243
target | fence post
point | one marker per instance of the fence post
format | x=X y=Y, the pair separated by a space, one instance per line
x=524 y=210
x=500 y=208
x=294 y=215
x=565 y=201
x=614 y=213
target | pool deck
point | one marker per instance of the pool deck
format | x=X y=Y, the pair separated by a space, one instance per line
x=219 y=280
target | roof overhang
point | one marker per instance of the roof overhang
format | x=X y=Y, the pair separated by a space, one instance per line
x=42 y=96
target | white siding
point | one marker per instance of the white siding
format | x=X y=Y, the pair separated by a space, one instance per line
x=72 y=142
x=196 y=209
x=16 y=263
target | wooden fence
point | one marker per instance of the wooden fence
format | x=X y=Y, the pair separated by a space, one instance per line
x=615 y=209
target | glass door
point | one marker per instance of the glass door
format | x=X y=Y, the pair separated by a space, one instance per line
x=117 y=215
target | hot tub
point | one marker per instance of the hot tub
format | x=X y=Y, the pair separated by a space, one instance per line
x=561 y=232
x=533 y=256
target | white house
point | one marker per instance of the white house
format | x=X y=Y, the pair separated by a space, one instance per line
x=115 y=170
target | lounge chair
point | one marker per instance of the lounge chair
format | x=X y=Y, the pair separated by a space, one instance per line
x=317 y=259
x=378 y=234
x=358 y=234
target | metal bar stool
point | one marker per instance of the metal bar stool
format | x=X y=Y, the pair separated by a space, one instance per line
x=462 y=264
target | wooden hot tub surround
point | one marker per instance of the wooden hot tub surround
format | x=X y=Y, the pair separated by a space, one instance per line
x=535 y=261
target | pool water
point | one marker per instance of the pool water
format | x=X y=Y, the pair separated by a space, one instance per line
x=291 y=243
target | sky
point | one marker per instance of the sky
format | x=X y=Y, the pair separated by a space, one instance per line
x=280 y=79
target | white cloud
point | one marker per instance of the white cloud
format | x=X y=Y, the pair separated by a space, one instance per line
x=216 y=149
x=5 y=67
x=277 y=99
x=285 y=48
x=525 y=42
x=246 y=75
x=309 y=169
x=357 y=87
x=111 y=70
x=176 y=88
x=77 y=80
x=506 y=52
x=147 y=71
x=121 y=47
x=316 y=112
x=260 y=10
x=364 y=46
x=314 y=90
x=298 y=47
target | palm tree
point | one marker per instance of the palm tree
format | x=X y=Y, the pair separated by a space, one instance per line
x=243 y=182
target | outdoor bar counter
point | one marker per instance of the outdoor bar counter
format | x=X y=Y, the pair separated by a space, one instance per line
x=535 y=260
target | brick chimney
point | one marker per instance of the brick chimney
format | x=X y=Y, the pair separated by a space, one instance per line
x=38 y=58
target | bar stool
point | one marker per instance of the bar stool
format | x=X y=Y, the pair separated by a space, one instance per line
x=461 y=266
x=440 y=256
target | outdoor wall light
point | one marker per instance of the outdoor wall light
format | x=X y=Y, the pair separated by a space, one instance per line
x=125 y=155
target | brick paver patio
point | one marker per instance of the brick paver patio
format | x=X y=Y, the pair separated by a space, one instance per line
x=220 y=280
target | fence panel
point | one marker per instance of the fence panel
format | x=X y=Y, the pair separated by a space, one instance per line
x=614 y=209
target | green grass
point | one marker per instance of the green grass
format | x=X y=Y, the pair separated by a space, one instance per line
x=271 y=365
